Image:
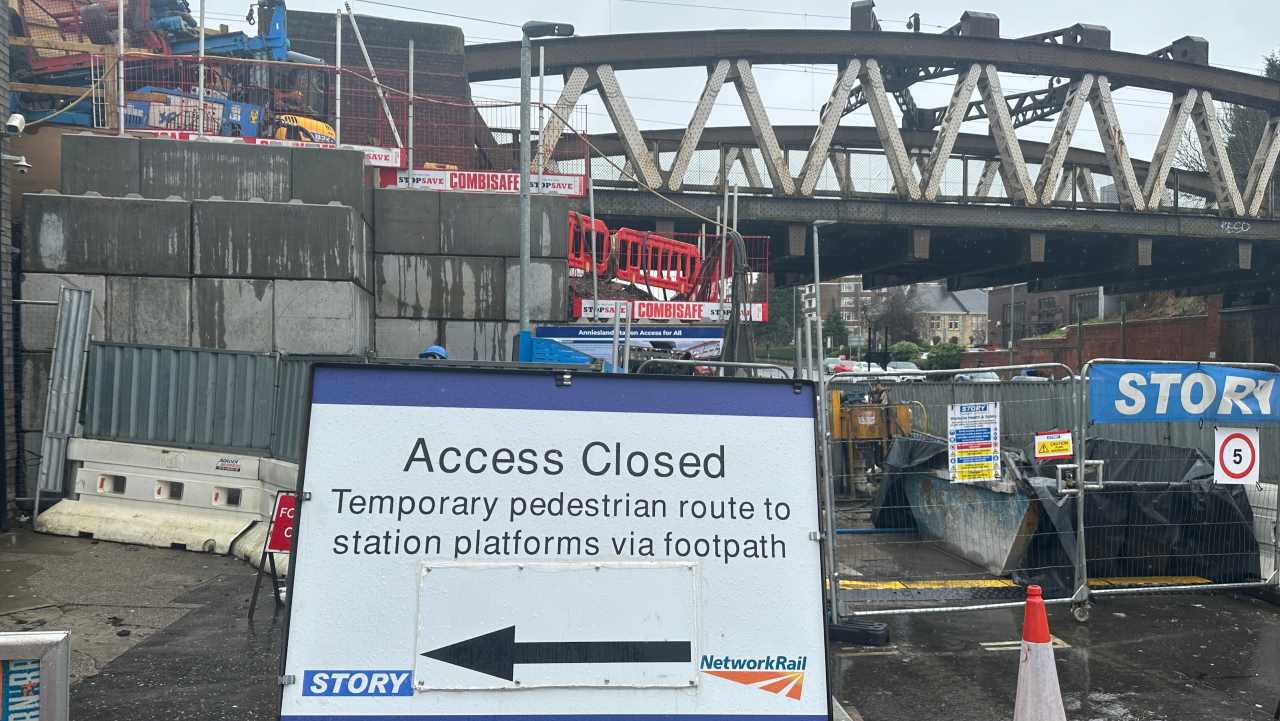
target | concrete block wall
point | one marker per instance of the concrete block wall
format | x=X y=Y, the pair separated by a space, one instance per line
x=447 y=271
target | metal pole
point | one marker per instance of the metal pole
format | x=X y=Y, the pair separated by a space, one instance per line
x=337 y=87
x=200 y=90
x=828 y=492
x=542 y=72
x=808 y=345
x=626 y=343
x=120 y=91
x=524 y=180
x=411 y=99
x=595 y=274
x=613 y=346
x=373 y=75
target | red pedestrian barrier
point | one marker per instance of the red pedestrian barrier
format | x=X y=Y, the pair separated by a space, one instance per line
x=580 y=243
x=649 y=259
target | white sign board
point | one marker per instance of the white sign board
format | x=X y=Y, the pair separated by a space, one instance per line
x=973 y=441
x=1235 y=456
x=492 y=543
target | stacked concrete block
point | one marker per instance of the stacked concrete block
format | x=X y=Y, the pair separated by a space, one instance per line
x=233 y=314
x=195 y=170
x=322 y=317
x=39 y=321
x=151 y=311
x=103 y=164
x=294 y=241
x=447 y=270
x=92 y=234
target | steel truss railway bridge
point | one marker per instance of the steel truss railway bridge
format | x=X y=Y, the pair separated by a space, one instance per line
x=1197 y=232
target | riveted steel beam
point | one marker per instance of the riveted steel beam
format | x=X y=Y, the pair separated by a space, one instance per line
x=701 y=48
x=642 y=160
x=1205 y=118
x=840 y=164
x=936 y=164
x=988 y=178
x=574 y=83
x=1104 y=116
x=774 y=161
x=904 y=179
x=716 y=76
x=1167 y=147
x=1060 y=142
x=818 y=149
x=1263 y=166
x=1017 y=182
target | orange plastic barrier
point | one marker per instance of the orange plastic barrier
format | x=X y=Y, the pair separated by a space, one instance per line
x=580 y=243
x=646 y=258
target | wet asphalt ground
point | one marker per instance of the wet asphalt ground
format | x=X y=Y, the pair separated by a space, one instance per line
x=161 y=634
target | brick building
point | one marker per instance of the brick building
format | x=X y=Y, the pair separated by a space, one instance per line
x=1014 y=313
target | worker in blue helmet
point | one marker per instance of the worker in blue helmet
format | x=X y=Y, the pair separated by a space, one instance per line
x=434 y=352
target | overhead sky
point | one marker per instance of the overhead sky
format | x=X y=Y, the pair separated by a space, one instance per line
x=1240 y=33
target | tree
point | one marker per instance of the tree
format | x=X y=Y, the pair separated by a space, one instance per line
x=1241 y=127
x=834 y=330
x=779 y=330
x=905 y=350
x=944 y=356
x=894 y=314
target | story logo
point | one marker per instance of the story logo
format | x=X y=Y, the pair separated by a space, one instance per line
x=781 y=675
x=356 y=683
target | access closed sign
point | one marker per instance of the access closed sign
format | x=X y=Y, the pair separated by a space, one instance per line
x=503 y=543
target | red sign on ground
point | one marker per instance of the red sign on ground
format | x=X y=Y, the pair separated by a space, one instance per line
x=280 y=535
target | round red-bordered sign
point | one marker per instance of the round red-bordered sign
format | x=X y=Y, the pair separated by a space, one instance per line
x=1222 y=461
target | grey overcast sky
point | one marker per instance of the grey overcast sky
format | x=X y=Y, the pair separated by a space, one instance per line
x=1240 y=33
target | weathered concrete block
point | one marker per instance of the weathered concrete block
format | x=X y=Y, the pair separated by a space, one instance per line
x=406 y=221
x=31 y=442
x=39 y=321
x=464 y=339
x=88 y=234
x=233 y=314
x=322 y=318
x=196 y=170
x=105 y=164
x=481 y=224
x=420 y=286
x=548 y=290
x=155 y=311
x=293 y=241
x=35 y=389
x=322 y=175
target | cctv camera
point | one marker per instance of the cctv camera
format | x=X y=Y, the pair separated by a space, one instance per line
x=15 y=124
x=23 y=166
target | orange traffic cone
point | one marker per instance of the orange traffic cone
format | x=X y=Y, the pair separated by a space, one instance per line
x=1039 y=698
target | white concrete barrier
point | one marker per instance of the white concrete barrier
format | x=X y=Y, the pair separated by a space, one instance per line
x=166 y=497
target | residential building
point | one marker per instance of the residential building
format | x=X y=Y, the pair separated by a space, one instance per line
x=945 y=316
x=1014 y=313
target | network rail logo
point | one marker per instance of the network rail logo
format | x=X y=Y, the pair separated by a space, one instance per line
x=781 y=675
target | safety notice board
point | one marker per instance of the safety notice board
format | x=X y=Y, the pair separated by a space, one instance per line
x=522 y=544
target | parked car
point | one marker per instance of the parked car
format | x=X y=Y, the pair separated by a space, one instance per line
x=909 y=371
x=977 y=377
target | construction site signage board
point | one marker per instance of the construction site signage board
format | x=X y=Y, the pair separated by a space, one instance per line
x=20 y=689
x=280 y=538
x=1053 y=446
x=1181 y=392
x=597 y=339
x=484 y=181
x=1235 y=456
x=667 y=310
x=482 y=543
x=973 y=441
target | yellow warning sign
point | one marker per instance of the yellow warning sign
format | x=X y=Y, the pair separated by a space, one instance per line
x=1054 y=445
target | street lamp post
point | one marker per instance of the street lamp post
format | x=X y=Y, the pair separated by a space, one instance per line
x=531 y=29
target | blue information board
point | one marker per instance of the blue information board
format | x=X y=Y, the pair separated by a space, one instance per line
x=1181 y=392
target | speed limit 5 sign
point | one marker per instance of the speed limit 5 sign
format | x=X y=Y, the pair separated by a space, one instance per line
x=1235 y=456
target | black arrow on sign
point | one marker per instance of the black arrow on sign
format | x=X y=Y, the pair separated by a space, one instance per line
x=496 y=653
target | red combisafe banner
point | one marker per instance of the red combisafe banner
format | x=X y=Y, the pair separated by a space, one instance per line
x=482 y=181
x=687 y=311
